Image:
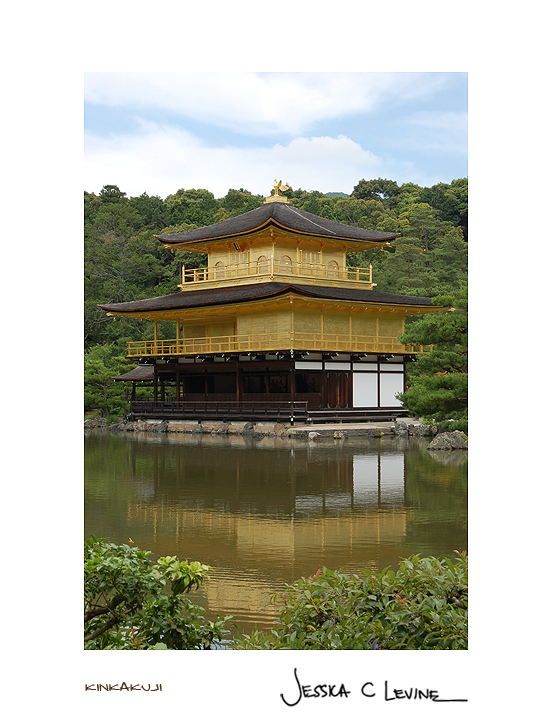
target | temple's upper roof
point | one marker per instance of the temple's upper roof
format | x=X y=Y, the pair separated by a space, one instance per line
x=258 y=291
x=283 y=215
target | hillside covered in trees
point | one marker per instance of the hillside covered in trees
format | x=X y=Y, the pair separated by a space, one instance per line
x=124 y=262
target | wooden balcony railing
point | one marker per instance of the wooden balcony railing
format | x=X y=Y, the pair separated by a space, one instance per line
x=271 y=342
x=276 y=267
x=287 y=411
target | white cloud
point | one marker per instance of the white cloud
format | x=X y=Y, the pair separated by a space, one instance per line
x=259 y=103
x=440 y=120
x=442 y=131
x=161 y=160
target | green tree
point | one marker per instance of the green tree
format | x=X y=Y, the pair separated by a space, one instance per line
x=449 y=260
x=196 y=206
x=429 y=258
x=313 y=202
x=152 y=211
x=422 y=222
x=451 y=202
x=437 y=384
x=353 y=211
x=120 y=264
x=112 y=194
x=101 y=364
x=409 y=193
x=131 y=602
x=380 y=189
x=239 y=201
x=91 y=205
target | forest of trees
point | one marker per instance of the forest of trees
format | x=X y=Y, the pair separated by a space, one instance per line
x=124 y=262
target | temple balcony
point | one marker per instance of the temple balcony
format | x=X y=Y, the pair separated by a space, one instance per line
x=270 y=342
x=267 y=269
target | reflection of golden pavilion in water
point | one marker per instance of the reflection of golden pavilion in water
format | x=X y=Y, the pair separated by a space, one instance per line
x=340 y=528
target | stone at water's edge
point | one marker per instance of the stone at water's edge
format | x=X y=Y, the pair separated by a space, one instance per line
x=405 y=428
x=220 y=429
x=95 y=422
x=449 y=440
x=401 y=427
x=278 y=430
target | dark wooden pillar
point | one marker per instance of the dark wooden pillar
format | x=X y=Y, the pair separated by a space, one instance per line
x=345 y=390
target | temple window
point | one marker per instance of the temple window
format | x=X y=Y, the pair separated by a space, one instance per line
x=285 y=264
x=333 y=269
x=308 y=257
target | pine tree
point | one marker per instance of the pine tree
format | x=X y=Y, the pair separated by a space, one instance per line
x=437 y=384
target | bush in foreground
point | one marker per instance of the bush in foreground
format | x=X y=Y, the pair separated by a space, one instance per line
x=131 y=602
x=424 y=605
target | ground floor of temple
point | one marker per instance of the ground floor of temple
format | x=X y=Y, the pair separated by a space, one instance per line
x=279 y=386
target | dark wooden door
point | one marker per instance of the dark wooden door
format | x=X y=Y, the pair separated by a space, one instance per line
x=337 y=389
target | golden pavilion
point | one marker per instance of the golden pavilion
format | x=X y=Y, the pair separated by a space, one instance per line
x=276 y=326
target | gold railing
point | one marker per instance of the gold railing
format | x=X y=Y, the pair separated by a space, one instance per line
x=272 y=267
x=271 y=342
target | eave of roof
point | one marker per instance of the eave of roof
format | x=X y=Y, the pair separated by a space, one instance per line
x=286 y=217
x=140 y=373
x=255 y=292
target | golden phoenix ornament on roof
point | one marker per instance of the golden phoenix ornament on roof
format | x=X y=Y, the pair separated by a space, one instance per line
x=279 y=186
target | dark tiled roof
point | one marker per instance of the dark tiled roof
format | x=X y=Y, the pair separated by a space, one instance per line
x=140 y=373
x=281 y=214
x=253 y=292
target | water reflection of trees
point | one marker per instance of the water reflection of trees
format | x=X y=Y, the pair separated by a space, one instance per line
x=276 y=477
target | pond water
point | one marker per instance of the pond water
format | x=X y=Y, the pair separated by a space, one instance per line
x=264 y=513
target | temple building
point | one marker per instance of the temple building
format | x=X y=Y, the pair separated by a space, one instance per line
x=276 y=326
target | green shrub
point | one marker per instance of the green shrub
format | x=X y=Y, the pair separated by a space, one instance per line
x=127 y=604
x=421 y=606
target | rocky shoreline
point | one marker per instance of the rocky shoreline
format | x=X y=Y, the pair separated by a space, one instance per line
x=401 y=427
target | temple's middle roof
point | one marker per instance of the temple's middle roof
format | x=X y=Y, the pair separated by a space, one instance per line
x=256 y=292
x=280 y=214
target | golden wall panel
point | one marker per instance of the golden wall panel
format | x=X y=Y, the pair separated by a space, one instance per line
x=284 y=321
x=363 y=324
x=390 y=325
x=337 y=323
x=307 y=321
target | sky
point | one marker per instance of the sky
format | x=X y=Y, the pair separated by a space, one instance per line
x=157 y=132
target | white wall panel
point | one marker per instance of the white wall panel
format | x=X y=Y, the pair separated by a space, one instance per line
x=365 y=389
x=390 y=384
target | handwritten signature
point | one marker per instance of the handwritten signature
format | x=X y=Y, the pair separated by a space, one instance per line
x=307 y=691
